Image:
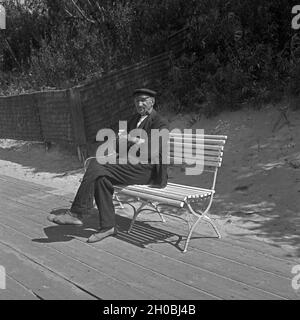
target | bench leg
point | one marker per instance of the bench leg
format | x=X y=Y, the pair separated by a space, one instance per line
x=119 y=201
x=190 y=234
x=142 y=208
x=155 y=206
x=135 y=214
x=209 y=220
x=200 y=216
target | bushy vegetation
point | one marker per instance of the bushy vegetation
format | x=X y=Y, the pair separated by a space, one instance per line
x=236 y=51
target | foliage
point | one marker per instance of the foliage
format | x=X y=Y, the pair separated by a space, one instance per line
x=236 y=51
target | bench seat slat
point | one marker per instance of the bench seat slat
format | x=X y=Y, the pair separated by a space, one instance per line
x=174 y=190
x=158 y=192
x=169 y=192
x=151 y=197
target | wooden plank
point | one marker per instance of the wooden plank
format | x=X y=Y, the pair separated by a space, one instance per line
x=15 y=291
x=45 y=206
x=79 y=274
x=23 y=192
x=43 y=283
x=32 y=187
x=233 y=245
x=262 y=247
x=19 y=182
x=33 y=199
x=22 y=186
x=241 y=272
x=233 y=251
x=223 y=249
x=254 y=246
x=210 y=282
x=160 y=287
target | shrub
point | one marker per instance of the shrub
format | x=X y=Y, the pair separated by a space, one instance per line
x=236 y=51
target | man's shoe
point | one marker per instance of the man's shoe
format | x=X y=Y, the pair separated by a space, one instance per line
x=68 y=218
x=103 y=233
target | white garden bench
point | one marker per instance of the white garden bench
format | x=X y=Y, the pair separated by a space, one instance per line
x=179 y=195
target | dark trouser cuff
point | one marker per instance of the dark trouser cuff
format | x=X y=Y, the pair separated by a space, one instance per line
x=80 y=210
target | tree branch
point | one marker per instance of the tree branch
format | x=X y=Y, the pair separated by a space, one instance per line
x=81 y=12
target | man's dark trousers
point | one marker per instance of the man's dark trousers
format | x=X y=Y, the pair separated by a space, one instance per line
x=98 y=182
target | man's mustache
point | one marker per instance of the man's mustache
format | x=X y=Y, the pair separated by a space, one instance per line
x=143 y=110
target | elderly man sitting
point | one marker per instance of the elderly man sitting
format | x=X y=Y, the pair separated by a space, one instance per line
x=99 y=179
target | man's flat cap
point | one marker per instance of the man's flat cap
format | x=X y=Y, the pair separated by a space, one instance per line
x=145 y=91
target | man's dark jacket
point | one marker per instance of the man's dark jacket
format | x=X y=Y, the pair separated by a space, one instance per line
x=153 y=121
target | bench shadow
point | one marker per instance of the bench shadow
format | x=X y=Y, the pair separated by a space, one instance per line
x=141 y=235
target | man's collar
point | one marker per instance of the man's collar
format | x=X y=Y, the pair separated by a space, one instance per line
x=152 y=113
x=148 y=117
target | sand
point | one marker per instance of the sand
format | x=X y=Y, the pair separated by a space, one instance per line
x=258 y=185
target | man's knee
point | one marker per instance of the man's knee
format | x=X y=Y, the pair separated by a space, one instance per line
x=103 y=180
x=100 y=179
x=103 y=183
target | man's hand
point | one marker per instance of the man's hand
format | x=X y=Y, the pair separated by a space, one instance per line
x=122 y=134
x=136 y=140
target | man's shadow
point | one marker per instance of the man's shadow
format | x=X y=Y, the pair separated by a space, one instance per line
x=141 y=234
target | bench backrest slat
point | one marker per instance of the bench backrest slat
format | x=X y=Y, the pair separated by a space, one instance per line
x=193 y=145
x=193 y=151
x=183 y=148
x=198 y=140
x=205 y=136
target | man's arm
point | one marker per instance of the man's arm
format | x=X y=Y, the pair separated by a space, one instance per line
x=158 y=148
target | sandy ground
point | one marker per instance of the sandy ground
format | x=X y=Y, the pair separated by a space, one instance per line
x=258 y=186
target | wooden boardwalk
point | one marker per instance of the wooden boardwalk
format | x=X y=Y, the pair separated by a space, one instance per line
x=45 y=261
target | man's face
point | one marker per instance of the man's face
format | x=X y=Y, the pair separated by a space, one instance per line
x=144 y=104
